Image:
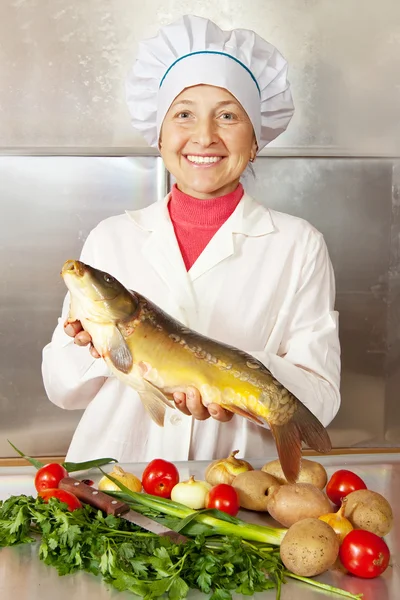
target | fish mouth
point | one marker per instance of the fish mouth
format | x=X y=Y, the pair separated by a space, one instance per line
x=73 y=267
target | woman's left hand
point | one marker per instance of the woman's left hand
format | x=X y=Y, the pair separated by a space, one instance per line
x=190 y=404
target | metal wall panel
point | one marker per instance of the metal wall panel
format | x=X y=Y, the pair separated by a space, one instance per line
x=48 y=206
x=63 y=65
x=351 y=202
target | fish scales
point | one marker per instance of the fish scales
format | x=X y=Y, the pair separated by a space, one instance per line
x=153 y=353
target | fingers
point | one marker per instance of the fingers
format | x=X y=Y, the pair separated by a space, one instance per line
x=72 y=329
x=94 y=352
x=180 y=402
x=219 y=413
x=81 y=337
x=190 y=404
x=194 y=404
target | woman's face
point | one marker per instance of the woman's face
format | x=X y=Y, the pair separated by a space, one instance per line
x=206 y=141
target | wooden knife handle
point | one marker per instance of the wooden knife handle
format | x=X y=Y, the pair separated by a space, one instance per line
x=90 y=495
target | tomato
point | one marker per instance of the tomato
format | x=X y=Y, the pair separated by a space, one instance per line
x=159 y=477
x=223 y=497
x=70 y=500
x=341 y=484
x=49 y=476
x=364 y=554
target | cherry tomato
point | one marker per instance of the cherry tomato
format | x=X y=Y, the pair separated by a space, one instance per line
x=159 y=477
x=70 y=500
x=223 y=497
x=341 y=484
x=364 y=554
x=49 y=476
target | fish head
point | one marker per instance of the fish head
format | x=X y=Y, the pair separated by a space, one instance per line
x=96 y=295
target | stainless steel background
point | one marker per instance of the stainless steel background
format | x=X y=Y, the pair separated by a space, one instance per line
x=63 y=65
x=62 y=70
x=48 y=206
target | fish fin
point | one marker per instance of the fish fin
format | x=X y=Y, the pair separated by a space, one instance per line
x=72 y=311
x=118 y=352
x=243 y=413
x=303 y=426
x=154 y=402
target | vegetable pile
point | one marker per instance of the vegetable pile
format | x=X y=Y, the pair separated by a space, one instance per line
x=224 y=554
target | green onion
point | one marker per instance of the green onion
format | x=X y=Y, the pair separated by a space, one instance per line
x=219 y=522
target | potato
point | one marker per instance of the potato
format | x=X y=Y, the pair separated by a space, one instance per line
x=309 y=547
x=290 y=503
x=369 y=510
x=252 y=488
x=310 y=472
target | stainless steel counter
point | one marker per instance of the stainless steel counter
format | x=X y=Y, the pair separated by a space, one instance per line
x=24 y=577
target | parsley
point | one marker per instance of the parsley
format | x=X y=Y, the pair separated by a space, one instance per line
x=143 y=563
x=132 y=560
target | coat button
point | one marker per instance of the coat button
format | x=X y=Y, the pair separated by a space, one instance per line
x=175 y=419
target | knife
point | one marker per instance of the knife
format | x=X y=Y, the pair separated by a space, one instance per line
x=113 y=506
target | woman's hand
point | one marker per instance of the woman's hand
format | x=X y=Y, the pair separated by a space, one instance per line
x=81 y=337
x=190 y=404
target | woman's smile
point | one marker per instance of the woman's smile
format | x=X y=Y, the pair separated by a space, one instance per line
x=203 y=160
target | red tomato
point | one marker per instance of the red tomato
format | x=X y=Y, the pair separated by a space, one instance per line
x=72 y=501
x=343 y=483
x=159 y=477
x=49 y=476
x=223 y=497
x=364 y=554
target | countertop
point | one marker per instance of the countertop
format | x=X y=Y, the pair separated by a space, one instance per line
x=24 y=577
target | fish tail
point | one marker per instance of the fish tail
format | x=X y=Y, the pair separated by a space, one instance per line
x=303 y=426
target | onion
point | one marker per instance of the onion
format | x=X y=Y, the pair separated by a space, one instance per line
x=127 y=479
x=224 y=470
x=338 y=522
x=191 y=493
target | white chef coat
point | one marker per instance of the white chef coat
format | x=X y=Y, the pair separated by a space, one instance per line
x=264 y=284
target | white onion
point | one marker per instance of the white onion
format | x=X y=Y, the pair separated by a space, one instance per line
x=191 y=493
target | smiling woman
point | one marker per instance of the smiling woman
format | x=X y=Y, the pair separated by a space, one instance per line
x=211 y=256
x=207 y=141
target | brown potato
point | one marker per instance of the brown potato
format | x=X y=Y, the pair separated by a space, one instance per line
x=309 y=547
x=369 y=510
x=290 y=503
x=310 y=472
x=252 y=488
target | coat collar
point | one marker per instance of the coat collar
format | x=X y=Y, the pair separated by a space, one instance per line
x=162 y=251
x=249 y=218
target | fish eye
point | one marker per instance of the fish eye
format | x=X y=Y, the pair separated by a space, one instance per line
x=107 y=278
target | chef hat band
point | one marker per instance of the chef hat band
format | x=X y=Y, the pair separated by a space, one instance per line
x=193 y=51
x=211 y=52
x=210 y=68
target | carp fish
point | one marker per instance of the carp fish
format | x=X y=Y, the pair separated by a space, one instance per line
x=157 y=355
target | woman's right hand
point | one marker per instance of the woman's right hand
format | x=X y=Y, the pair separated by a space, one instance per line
x=81 y=337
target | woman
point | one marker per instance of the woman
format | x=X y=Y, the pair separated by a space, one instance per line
x=209 y=254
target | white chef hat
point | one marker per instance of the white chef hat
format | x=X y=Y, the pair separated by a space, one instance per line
x=193 y=51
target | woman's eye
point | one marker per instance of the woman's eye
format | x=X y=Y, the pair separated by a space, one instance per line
x=227 y=116
x=183 y=115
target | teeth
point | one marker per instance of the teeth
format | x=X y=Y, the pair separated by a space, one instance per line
x=203 y=159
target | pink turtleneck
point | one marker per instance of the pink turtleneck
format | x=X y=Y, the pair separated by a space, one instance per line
x=196 y=221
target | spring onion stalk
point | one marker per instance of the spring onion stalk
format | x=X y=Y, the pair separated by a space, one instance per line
x=226 y=525
x=323 y=586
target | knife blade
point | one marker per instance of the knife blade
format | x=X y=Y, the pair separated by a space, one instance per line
x=113 y=506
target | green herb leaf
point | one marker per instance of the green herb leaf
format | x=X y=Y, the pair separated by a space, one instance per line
x=33 y=461
x=88 y=464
